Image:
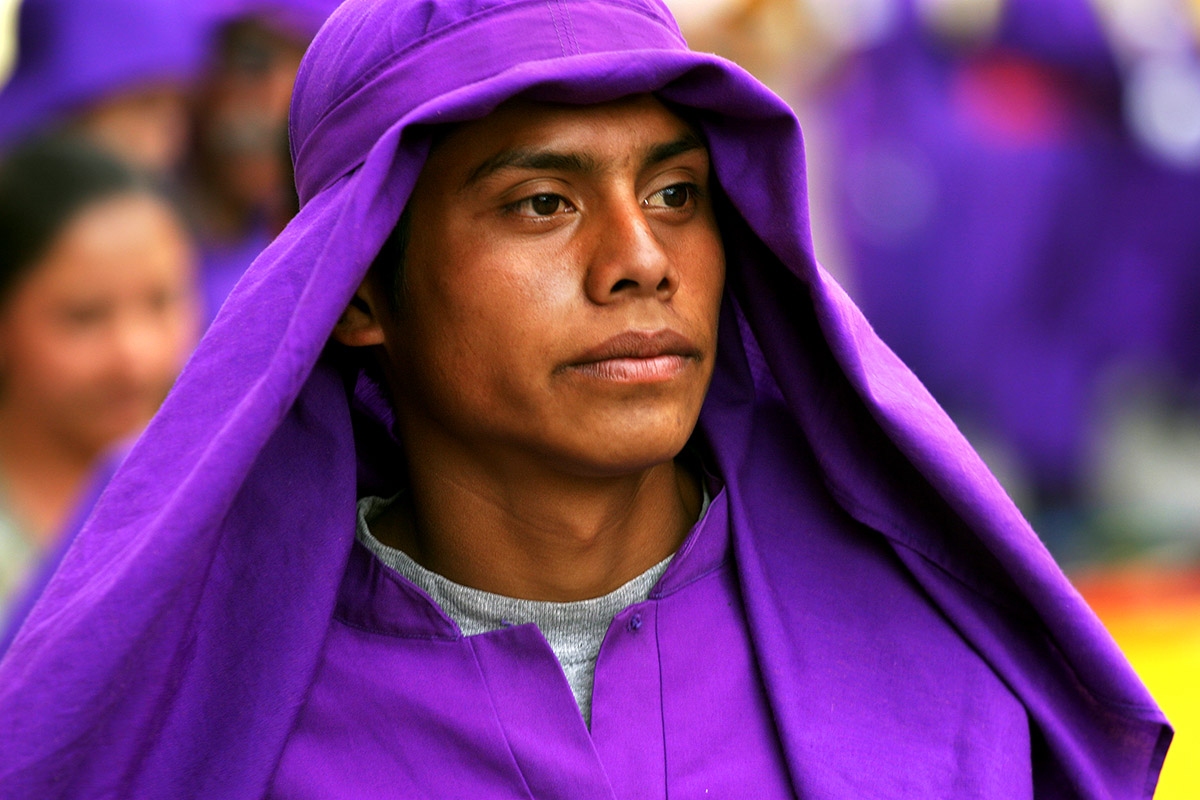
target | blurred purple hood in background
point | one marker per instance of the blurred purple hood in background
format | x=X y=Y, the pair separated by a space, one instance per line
x=73 y=53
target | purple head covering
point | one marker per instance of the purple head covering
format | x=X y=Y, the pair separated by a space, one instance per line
x=76 y=52
x=174 y=647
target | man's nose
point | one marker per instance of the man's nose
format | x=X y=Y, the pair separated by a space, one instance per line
x=629 y=259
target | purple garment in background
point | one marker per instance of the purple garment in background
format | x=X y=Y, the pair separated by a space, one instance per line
x=73 y=53
x=222 y=266
x=47 y=564
x=180 y=639
x=1065 y=33
x=1005 y=234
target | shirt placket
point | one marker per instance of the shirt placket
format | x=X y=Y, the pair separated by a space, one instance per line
x=627 y=711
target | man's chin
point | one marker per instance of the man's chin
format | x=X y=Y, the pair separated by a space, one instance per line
x=631 y=453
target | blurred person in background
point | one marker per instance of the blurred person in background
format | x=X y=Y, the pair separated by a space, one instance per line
x=1018 y=185
x=115 y=71
x=98 y=312
x=240 y=183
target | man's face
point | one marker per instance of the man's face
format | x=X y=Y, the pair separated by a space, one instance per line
x=562 y=286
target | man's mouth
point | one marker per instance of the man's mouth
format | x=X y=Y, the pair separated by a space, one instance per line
x=637 y=357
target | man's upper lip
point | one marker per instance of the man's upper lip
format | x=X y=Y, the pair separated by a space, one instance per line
x=640 y=344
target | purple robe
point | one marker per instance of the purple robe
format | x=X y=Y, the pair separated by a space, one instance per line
x=654 y=696
x=76 y=52
x=901 y=615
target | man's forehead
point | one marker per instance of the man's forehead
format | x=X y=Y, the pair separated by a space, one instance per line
x=526 y=132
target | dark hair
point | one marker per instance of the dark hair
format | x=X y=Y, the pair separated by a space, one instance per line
x=44 y=184
x=388 y=265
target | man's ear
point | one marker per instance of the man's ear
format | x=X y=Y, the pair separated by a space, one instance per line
x=360 y=325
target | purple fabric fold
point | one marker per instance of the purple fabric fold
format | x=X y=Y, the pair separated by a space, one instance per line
x=174 y=647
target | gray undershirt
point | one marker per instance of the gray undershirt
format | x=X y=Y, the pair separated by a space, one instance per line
x=573 y=630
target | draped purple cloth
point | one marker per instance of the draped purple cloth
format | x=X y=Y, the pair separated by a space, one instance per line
x=76 y=52
x=175 y=646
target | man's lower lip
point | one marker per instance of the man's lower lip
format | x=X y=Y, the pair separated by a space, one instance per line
x=634 y=370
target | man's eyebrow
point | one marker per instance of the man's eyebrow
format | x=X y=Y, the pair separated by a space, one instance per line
x=524 y=158
x=668 y=150
x=533 y=159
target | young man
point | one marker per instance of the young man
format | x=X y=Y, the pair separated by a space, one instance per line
x=594 y=381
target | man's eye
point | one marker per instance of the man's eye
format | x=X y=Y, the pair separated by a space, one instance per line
x=676 y=196
x=541 y=205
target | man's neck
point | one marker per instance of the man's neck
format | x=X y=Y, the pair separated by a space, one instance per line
x=541 y=537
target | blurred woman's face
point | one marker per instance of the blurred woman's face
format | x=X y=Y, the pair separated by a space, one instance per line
x=146 y=127
x=92 y=338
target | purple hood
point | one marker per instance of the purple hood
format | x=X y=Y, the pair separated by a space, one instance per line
x=76 y=52
x=173 y=648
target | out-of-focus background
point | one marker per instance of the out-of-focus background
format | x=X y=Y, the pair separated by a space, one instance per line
x=143 y=165
x=1010 y=189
